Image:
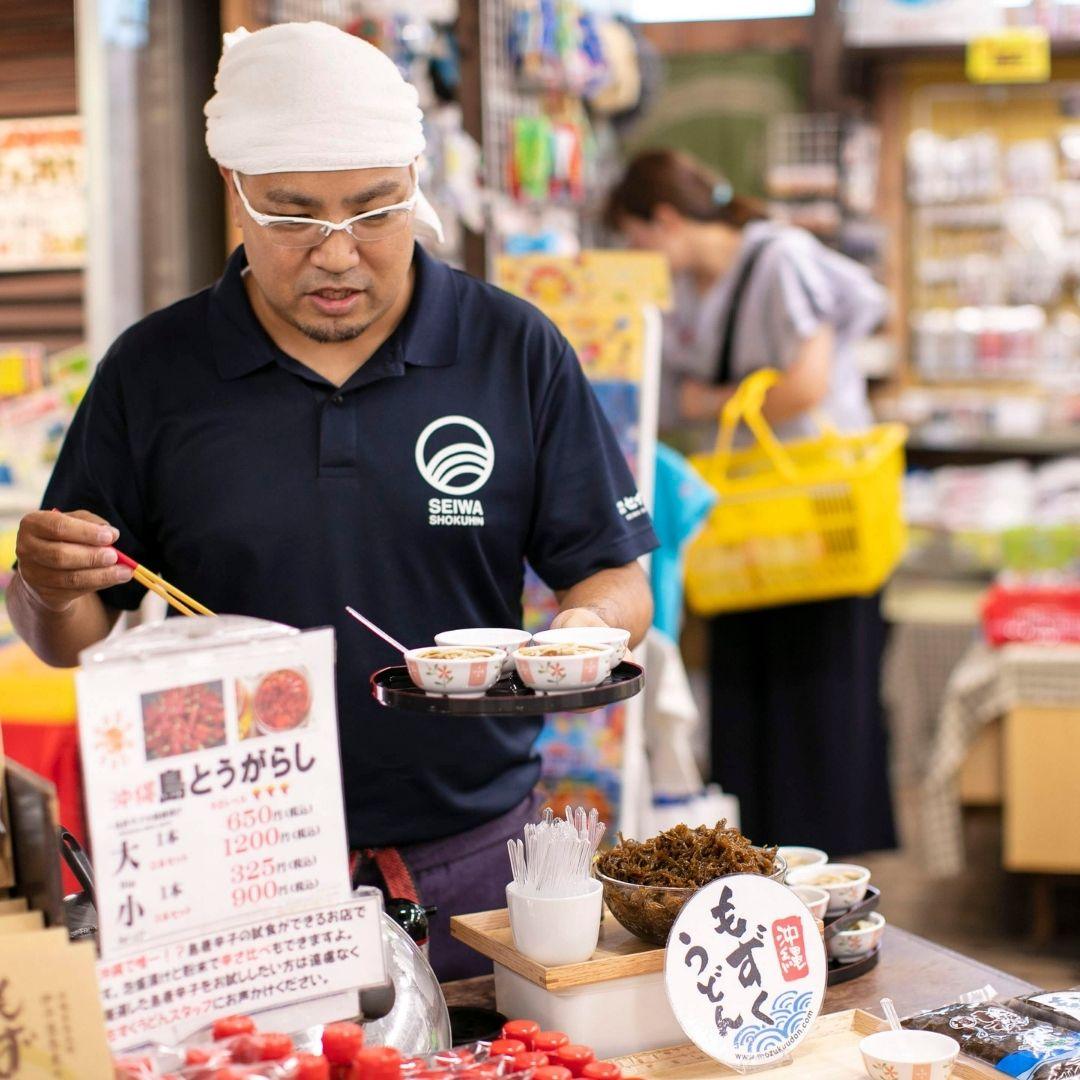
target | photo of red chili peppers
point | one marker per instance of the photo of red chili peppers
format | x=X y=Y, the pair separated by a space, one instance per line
x=183 y=719
x=282 y=701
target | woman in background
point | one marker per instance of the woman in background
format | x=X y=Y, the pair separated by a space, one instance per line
x=797 y=727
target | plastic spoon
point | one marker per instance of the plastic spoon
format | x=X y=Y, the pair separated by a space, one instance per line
x=889 y=1009
x=375 y=630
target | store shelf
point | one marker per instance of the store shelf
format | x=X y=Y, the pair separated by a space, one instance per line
x=1036 y=446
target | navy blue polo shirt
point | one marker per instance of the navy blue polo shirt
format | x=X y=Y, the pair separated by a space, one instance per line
x=467 y=443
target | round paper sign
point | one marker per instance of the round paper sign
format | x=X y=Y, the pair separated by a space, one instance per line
x=745 y=970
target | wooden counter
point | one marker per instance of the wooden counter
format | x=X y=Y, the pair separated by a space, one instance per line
x=914 y=972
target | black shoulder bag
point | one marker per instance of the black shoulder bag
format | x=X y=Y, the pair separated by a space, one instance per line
x=724 y=374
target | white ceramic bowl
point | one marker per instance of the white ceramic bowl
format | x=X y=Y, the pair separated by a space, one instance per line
x=842 y=894
x=555 y=931
x=465 y=677
x=800 y=856
x=909 y=1055
x=550 y=674
x=618 y=639
x=817 y=900
x=853 y=944
x=489 y=637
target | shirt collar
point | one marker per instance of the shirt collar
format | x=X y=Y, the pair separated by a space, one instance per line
x=425 y=337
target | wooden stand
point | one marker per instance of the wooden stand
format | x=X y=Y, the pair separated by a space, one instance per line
x=830 y=1052
x=618 y=953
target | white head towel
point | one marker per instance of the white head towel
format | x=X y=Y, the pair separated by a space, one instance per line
x=307 y=97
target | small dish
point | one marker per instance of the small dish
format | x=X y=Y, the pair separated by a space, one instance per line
x=845 y=883
x=488 y=637
x=817 y=900
x=564 y=666
x=857 y=939
x=618 y=639
x=803 y=856
x=440 y=673
x=909 y=1055
x=555 y=930
x=650 y=911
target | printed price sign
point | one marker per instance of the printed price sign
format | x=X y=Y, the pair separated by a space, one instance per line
x=745 y=971
x=167 y=993
x=213 y=789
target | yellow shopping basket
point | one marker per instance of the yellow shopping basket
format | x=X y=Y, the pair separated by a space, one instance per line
x=807 y=520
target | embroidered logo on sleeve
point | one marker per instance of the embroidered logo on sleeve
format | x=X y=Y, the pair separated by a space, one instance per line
x=632 y=507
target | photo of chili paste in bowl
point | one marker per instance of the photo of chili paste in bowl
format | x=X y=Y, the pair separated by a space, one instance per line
x=282 y=701
x=182 y=719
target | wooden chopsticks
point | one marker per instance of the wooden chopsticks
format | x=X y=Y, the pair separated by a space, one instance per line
x=157 y=584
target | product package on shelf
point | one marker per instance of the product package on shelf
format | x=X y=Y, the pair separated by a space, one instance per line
x=212 y=775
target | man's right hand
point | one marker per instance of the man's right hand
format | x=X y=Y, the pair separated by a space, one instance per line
x=65 y=556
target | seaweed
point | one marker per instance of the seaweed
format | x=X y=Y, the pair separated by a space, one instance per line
x=685 y=858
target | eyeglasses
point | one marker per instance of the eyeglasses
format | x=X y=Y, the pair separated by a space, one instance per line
x=302 y=232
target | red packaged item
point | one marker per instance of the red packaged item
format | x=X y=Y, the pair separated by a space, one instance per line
x=552 y=1072
x=227 y=1026
x=340 y=1042
x=312 y=1067
x=574 y=1057
x=601 y=1070
x=274 y=1046
x=507 y=1047
x=376 y=1063
x=548 y=1042
x=246 y=1049
x=458 y=1058
x=531 y=1059
x=1049 y=616
x=524 y=1030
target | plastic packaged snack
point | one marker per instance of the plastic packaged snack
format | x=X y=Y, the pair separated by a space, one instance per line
x=1014 y=1044
x=1061 y=1007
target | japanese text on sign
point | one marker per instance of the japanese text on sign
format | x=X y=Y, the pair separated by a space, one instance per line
x=167 y=993
x=745 y=977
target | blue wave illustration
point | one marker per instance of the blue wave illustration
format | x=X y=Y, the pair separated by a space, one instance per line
x=788 y=1011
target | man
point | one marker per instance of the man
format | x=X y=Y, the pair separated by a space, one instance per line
x=342 y=419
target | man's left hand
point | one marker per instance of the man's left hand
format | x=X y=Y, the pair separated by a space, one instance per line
x=576 y=616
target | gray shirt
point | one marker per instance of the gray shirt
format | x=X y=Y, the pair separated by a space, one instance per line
x=796 y=286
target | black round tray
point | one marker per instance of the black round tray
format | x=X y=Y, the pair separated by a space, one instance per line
x=393 y=688
x=842 y=973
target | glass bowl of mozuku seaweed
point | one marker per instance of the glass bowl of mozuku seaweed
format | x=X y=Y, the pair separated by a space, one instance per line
x=647 y=882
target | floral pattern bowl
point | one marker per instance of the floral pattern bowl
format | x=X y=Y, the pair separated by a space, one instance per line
x=856 y=939
x=845 y=883
x=618 y=639
x=909 y=1055
x=547 y=669
x=439 y=673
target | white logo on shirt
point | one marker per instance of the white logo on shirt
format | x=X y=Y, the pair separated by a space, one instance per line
x=464 y=465
x=632 y=507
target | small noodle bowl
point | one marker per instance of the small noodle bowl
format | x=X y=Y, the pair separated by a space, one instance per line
x=547 y=669
x=857 y=939
x=909 y=1055
x=455 y=671
x=618 y=639
x=845 y=883
x=282 y=701
x=488 y=637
